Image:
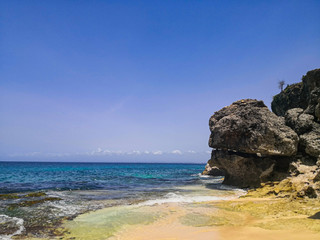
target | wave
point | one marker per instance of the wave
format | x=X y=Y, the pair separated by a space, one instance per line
x=17 y=222
x=175 y=198
x=232 y=188
x=201 y=176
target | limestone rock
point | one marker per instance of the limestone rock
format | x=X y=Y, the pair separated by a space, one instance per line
x=248 y=126
x=247 y=170
x=303 y=182
x=311 y=80
x=306 y=183
x=299 y=121
x=316 y=177
x=313 y=101
x=293 y=96
x=311 y=141
x=212 y=170
x=255 y=147
x=317 y=111
x=305 y=95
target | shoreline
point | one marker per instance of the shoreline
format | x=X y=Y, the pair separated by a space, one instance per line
x=242 y=218
x=231 y=216
x=197 y=212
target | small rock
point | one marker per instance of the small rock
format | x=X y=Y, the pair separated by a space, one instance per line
x=212 y=171
x=317 y=176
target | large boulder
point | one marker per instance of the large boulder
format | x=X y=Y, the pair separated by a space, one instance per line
x=248 y=126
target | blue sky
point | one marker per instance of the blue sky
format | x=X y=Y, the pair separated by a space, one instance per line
x=136 y=78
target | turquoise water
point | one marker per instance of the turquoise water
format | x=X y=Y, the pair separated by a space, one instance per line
x=31 y=176
x=69 y=189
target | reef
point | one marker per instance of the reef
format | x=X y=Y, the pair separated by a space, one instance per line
x=276 y=153
x=14 y=207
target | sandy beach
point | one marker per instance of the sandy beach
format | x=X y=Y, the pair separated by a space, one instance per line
x=244 y=218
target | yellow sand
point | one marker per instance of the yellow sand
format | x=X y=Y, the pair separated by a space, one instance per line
x=237 y=219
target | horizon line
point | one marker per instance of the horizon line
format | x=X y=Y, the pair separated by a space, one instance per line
x=21 y=161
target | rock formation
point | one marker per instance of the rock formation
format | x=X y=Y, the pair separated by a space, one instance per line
x=252 y=145
x=305 y=95
x=247 y=126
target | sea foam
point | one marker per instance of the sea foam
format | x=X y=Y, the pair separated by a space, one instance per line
x=177 y=198
x=17 y=221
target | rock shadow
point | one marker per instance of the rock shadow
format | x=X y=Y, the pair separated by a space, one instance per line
x=315 y=216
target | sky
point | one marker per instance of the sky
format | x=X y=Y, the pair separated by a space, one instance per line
x=139 y=80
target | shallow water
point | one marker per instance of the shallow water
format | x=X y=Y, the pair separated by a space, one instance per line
x=187 y=206
x=71 y=189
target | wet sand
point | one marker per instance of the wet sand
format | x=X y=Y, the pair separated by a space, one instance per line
x=243 y=218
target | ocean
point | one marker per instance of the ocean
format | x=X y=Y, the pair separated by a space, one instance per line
x=35 y=197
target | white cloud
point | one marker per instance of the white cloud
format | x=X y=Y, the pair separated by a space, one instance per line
x=157 y=153
x=176 y=152
x=100 y=152
x=137 y=152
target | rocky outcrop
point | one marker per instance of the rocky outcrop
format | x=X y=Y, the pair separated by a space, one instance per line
x=303 y=181
x=305 y=95
x=293 y=96
x=253 y=146
x=307 y=129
